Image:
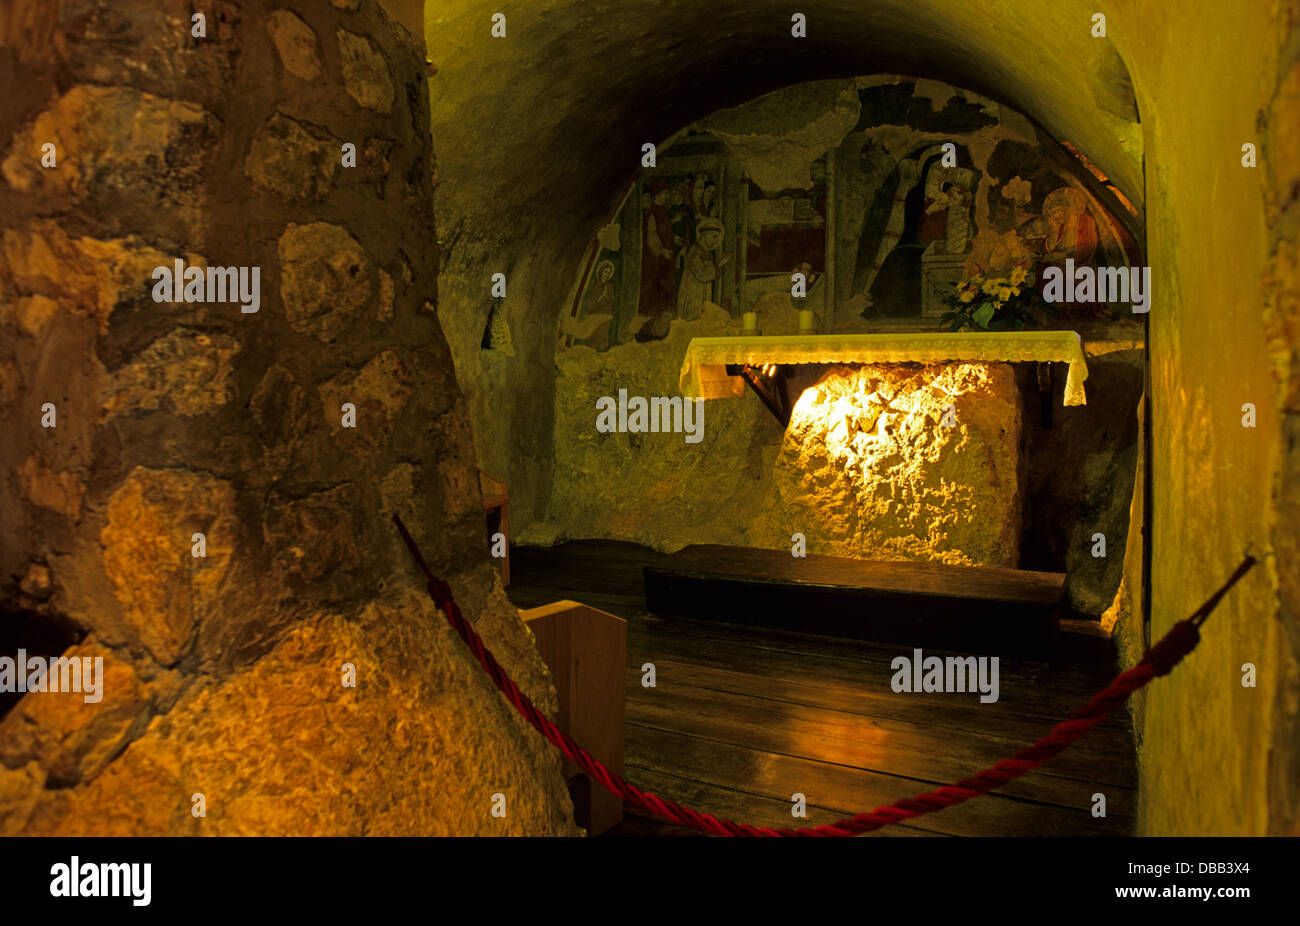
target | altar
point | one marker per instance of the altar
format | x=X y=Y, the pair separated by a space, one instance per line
x=898 y=445
x=704 y=372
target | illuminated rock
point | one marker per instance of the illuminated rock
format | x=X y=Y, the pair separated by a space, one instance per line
x=417 y=747
x=74 y=738
x=290 y=425
x=903 y=461
x=61 y=491
x=313 y=537
x=33 y=313
x=92 y=276
x=380 y=391
x=113 y=139
x=183 y=419
x=164 y=591
x=21 y=790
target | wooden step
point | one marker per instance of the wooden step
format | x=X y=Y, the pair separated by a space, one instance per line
x=965 y=609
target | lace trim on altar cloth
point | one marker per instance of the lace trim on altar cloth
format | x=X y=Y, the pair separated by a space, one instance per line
x=704 y=372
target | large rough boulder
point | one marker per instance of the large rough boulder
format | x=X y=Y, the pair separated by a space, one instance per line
x=283 y=747
x=902 y=461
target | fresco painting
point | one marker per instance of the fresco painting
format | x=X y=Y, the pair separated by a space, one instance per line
x=933 y=190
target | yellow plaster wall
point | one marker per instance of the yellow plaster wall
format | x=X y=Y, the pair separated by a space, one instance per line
x=1203 y=74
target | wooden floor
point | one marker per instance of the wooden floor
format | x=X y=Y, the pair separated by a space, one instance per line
x=741 y=719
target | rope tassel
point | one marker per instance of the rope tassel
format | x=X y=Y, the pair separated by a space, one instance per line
x=1159 y=660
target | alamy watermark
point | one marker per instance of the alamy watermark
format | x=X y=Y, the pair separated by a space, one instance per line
x=54 y=674
x=76 y=878
x=1096 y=285
x=217 y=284
x=658 y=414
x=950 y=674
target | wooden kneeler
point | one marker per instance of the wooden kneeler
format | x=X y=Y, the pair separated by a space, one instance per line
x=586 y=651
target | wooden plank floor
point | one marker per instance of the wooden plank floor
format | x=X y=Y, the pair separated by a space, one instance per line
x=741 y=719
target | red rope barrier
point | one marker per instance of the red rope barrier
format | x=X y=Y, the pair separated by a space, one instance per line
x=1159 y=660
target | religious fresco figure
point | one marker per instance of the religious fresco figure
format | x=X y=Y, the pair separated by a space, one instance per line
x=702 y=267
x=709 y=200
x=933 y=223
x=912 y=244
x=603 y=295
x=958 y=196
x=702 y=196
x=1064 y=231
x=924 y=201
x=931 y=200
x=945 y=214
x=657 y=294
x=595 y=327
x=870 y=263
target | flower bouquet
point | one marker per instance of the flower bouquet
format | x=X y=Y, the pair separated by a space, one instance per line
x=995 y=302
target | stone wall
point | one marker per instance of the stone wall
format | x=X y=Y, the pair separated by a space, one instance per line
x=224 y=674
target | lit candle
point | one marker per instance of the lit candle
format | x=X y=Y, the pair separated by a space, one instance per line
x=806 y=320
x=749 y=321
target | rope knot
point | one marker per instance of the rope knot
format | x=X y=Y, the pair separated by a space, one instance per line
x=1181 y=640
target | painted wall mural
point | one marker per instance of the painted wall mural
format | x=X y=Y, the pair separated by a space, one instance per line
x=906 y=204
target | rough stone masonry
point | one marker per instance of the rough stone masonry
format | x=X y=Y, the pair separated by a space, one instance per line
x=292 y=137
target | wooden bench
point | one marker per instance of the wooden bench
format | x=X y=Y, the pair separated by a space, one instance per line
x=586 y=651
x=975 y=609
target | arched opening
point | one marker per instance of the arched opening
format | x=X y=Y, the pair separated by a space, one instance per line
x=840 y=211
x=868 y=190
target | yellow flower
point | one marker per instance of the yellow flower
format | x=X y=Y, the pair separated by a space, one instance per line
x=1018 y=275
x=968 y=295
x=991 y=286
